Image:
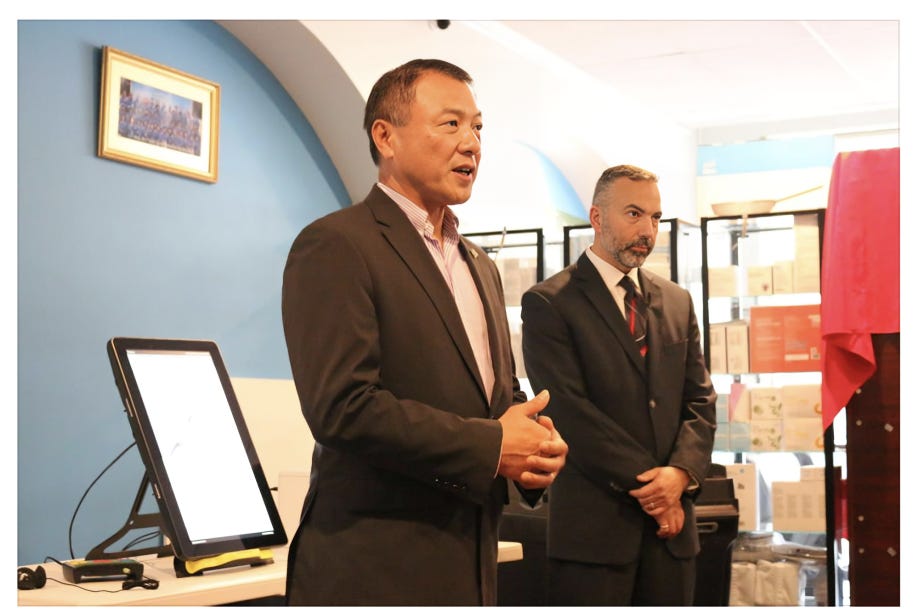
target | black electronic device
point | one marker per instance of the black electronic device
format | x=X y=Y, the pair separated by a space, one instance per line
x=199 y=456
x=717 y=520
x=102 y=569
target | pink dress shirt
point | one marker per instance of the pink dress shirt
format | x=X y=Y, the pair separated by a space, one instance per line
x=459 y=279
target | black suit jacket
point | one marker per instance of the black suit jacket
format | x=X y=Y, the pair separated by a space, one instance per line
x=403 y=505
x=621 y=414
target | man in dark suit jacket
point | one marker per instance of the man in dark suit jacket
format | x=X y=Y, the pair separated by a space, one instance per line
x=640 y=428
x=400 y=352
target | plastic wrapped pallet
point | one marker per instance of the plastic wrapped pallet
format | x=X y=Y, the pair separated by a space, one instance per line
x=779 y=583
x=743 y=584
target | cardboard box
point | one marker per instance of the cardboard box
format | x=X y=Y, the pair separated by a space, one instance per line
x=662 y=244
x=814 y=473
x=801 y=401
x=807 y=276
x=807 y=254
x=740 y=403
x=765 y=403
x=759 y=280
x=737 y=338
x=798 y=506
x=765 y=435
x=518 y=274
x=718 y=348
x=659 y=261
x=740 y=437
x=802 y=434
x=723 y=437
x=746 y=491
x=723 y=282
x=661 y=269
x=722 y=409
x=783 y=277
x=785 y=338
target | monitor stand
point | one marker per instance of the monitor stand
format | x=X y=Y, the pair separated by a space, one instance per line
x=196 y=567
x=136 y=520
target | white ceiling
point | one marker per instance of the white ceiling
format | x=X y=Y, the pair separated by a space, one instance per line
x=714 y=74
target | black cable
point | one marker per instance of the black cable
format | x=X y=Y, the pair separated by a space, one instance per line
x=141 y=538
x=83 y=588
x=85 y=493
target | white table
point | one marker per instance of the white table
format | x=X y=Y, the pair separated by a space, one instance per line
x=228 y=585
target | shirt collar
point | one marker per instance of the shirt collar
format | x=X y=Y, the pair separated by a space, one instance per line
x=610 y=274
x=418 y=216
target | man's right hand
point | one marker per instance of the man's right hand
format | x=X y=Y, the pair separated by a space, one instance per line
x=522 y=437
x=670 y=522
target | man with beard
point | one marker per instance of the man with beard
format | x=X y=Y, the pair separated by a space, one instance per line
x=618 y=348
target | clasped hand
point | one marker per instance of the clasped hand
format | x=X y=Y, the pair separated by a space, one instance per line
x=532 y=450
x=660 y=498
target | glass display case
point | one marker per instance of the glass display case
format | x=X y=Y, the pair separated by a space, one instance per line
x=676 y=253
x=762 y=341
x=519 y=255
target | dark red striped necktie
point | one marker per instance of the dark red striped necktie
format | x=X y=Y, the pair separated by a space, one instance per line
x=636 y=313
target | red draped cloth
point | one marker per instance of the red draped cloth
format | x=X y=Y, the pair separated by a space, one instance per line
x=860 y=277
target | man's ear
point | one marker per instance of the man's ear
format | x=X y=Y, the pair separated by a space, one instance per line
x=595 y=218
x=383 y=137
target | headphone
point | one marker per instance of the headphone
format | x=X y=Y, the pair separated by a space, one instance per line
x=29 y=579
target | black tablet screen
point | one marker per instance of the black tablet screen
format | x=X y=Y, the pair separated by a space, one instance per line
x=190 y=429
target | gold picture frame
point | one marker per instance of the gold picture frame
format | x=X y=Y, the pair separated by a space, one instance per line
x=158 y=117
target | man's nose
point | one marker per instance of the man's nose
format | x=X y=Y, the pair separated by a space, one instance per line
x=647 y=227
x=471 y=141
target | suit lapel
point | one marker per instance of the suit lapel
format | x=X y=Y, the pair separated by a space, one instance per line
x=591 y=283
x=492 y=303
x=405 y=241
x=653 y=296
x=652 y=293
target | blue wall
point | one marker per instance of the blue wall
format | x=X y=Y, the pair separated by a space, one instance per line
x=107 y=248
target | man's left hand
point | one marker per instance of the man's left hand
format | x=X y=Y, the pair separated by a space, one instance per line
x=665 y=486
x=543 y=467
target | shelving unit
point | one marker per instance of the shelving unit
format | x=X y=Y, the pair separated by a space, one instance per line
x=519 y=255
x=675 y=255
x=761 y=328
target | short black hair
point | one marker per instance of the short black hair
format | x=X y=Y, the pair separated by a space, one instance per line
x=393 y=93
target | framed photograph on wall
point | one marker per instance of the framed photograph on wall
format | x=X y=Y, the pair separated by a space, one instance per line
x=158 y=117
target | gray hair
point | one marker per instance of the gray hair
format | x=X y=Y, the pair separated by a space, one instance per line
x=633 y=173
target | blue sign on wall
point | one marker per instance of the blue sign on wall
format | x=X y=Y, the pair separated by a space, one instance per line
x=766 y=155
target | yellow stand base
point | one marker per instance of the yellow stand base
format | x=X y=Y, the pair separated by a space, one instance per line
x=196 y=567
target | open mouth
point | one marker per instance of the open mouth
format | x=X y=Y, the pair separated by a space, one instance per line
x=464 y=171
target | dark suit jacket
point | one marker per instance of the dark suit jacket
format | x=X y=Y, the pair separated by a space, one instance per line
x=620 y=414
x=403 y=505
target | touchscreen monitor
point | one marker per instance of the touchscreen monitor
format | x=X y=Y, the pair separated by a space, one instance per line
x=200 y=459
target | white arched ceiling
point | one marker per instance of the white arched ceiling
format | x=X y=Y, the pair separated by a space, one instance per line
x=322 y=90
x=526 y=95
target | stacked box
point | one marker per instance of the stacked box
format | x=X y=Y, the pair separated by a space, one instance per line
x=759 y=280
x=747 y=493
x=738 y=347
x=723 y=282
